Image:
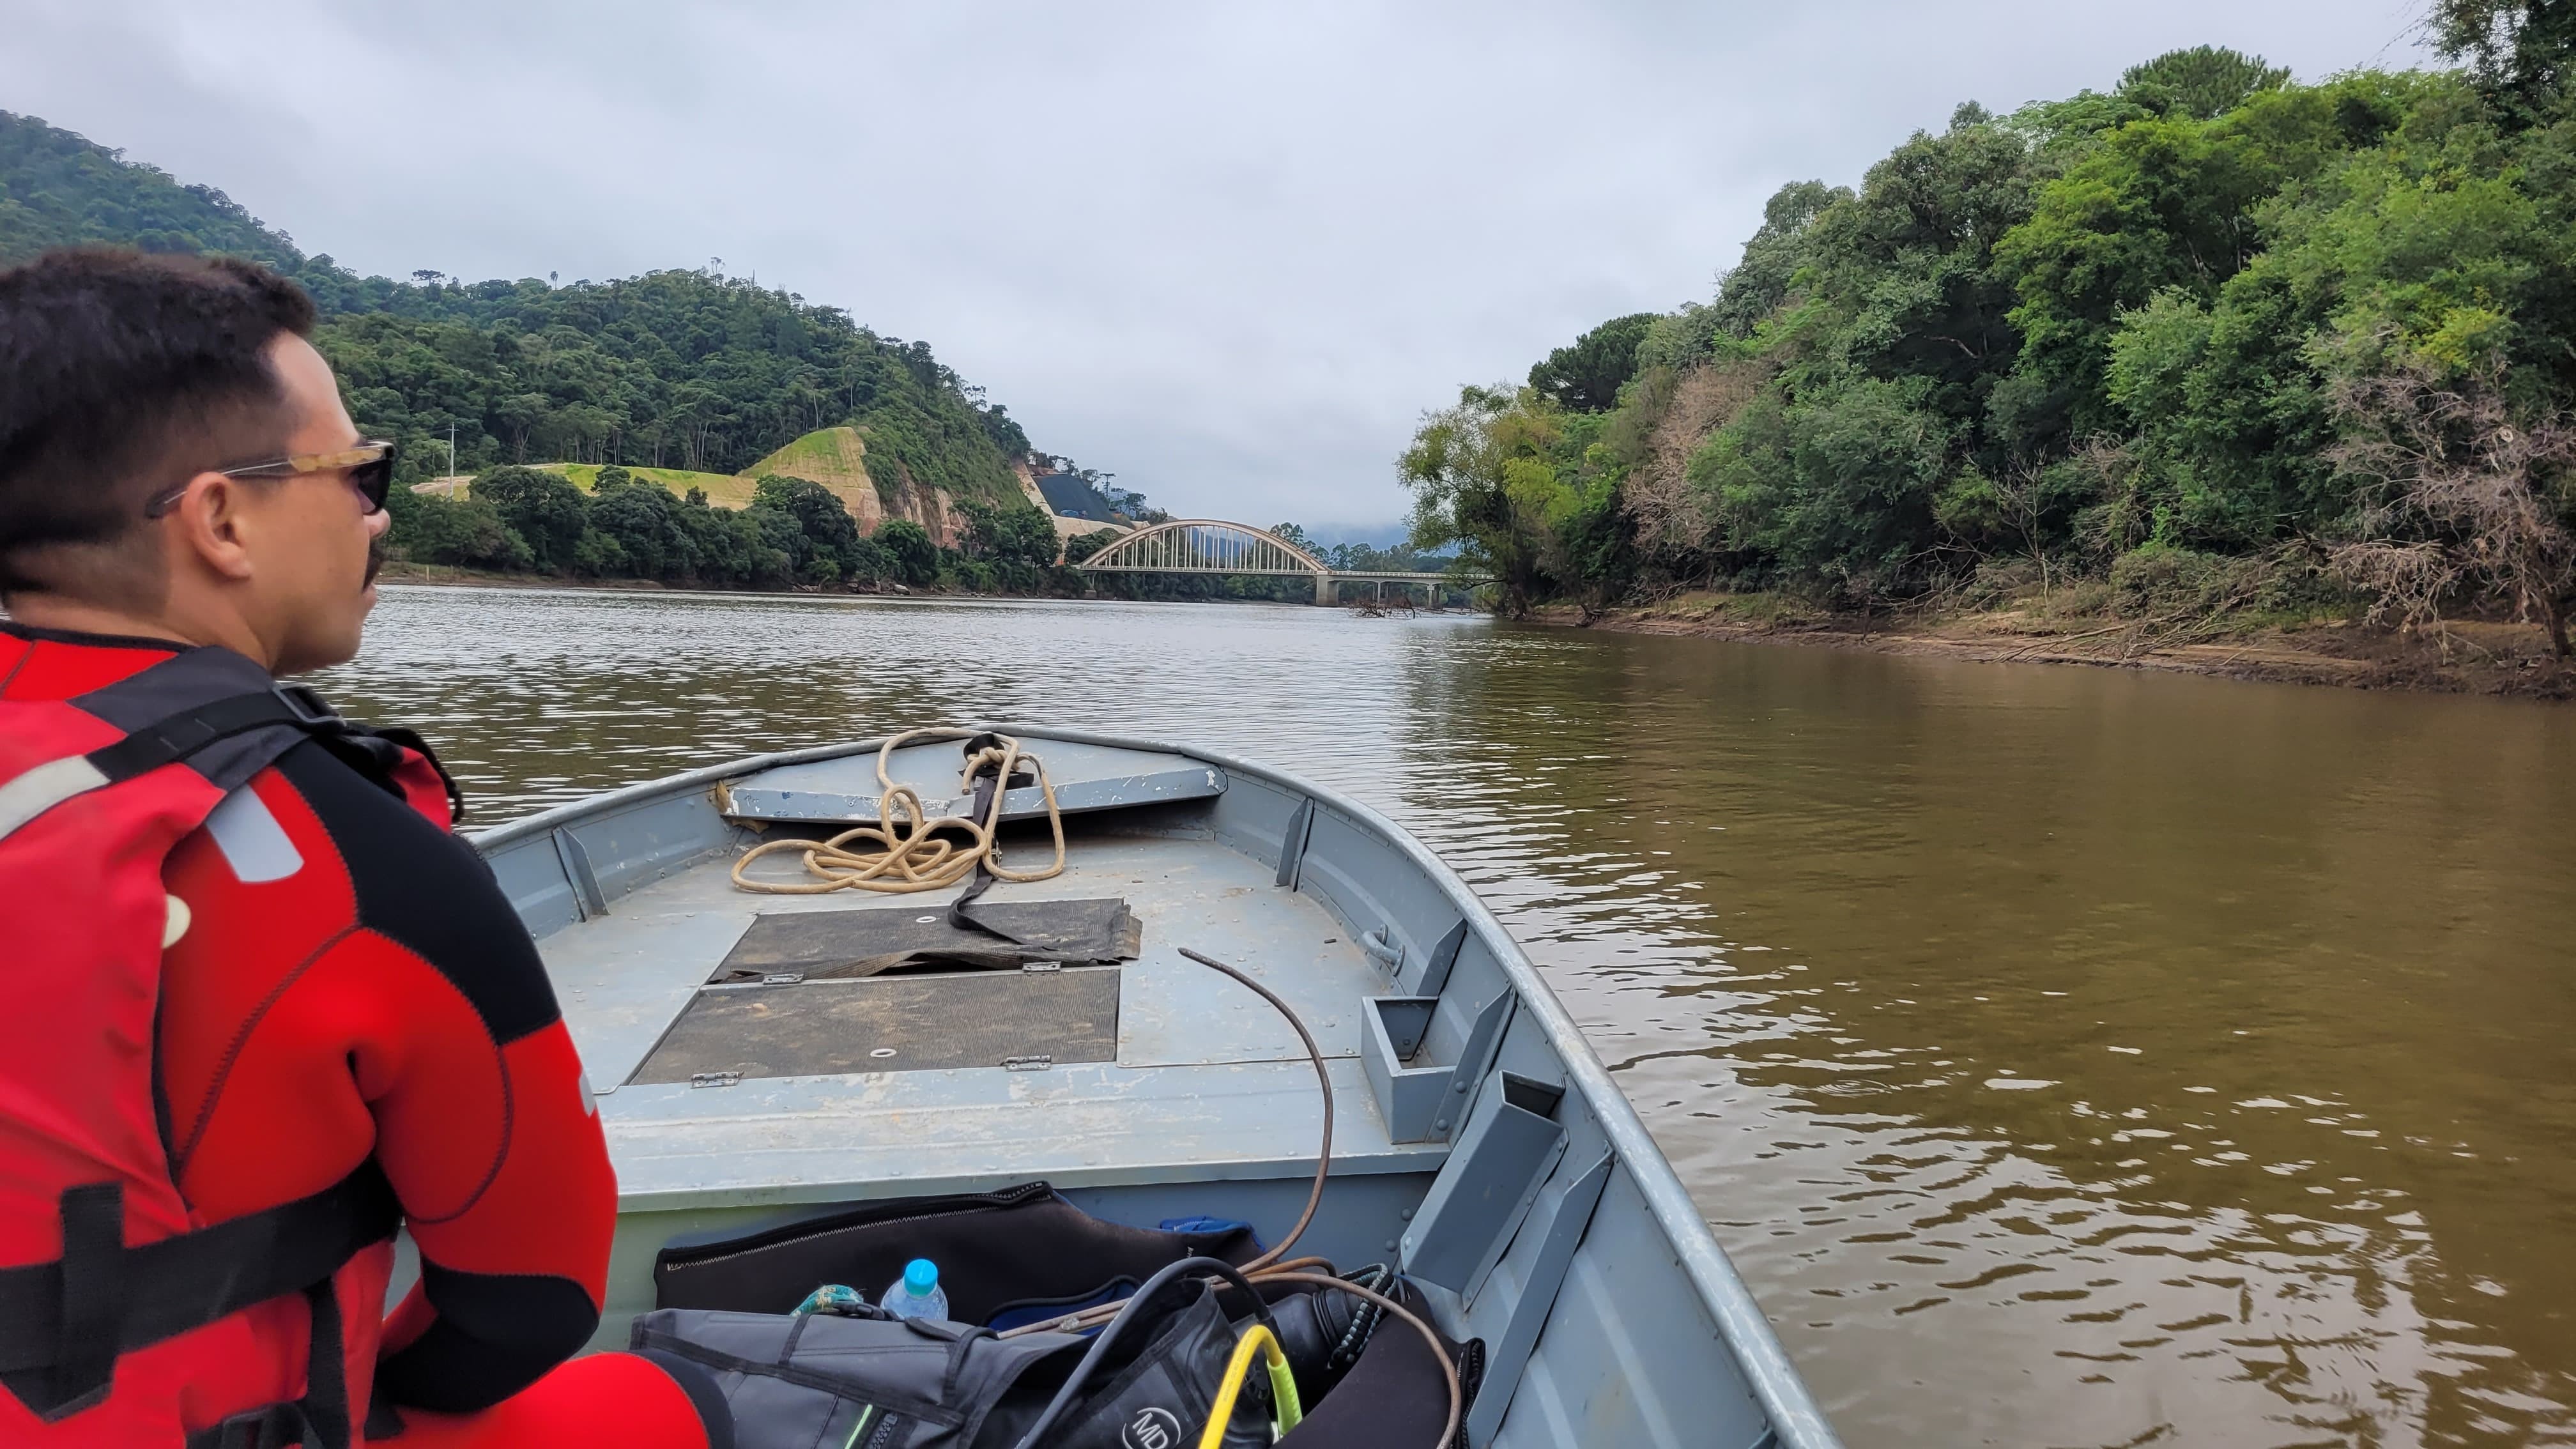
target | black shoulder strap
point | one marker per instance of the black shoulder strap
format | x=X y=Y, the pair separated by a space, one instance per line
x=224 y=717
x=210 y=707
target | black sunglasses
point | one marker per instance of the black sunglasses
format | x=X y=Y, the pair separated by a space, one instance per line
x=370 y=466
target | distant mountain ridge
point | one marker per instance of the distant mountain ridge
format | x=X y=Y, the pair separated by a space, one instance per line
x=680 y=369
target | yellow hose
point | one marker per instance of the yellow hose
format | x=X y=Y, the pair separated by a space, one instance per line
x=908 y=858
x=1286 y=1411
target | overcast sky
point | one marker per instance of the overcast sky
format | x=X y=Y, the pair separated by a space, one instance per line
x=1229 y=252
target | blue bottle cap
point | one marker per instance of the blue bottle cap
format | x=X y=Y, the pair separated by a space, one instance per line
x=920 y=1277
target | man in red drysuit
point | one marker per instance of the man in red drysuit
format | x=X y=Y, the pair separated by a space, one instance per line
x=343 y=987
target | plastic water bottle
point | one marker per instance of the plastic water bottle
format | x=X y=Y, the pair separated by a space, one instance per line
x=917 y=1293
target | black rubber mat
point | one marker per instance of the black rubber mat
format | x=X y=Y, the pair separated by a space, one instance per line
x=818 y=944
x=892 y=1024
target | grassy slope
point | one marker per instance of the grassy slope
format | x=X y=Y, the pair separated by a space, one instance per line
x=833 y=457
x=724 y=490
x=837 y=459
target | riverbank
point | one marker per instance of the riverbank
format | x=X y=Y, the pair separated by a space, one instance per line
x=2484 y=657
x=398 y=572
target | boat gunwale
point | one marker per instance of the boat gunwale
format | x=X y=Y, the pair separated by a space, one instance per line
x=1797 y=1421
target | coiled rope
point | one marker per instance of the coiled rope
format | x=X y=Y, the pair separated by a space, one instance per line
x=910 y=854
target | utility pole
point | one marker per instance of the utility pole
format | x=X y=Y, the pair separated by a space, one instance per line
x=451 y=450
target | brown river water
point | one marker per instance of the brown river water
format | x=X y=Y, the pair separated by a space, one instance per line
x=2066 y=1057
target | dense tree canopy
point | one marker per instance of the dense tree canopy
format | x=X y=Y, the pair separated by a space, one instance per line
x=2116 y=336
x=1587 y=375
x=2519 y=50
x=683 y=369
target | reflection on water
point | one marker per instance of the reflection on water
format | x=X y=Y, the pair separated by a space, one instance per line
x=2066 y=1057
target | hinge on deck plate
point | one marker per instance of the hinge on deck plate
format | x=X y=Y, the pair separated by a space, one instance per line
x=715 y=1079
x=1027 y=1064
x=783 y=978
x=1041 y=965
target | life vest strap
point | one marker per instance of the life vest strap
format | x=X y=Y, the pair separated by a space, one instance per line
x=63 y=1323
x=169 y=739
x=181 y=734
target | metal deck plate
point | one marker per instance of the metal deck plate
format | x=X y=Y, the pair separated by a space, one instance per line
x=892 y=1024
x=624 y=977
x=815 y=944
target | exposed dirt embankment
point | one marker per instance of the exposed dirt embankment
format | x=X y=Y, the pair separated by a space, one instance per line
x=2483 y=658
x=874 y=490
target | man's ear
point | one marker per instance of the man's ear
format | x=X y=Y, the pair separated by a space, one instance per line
x=212 y=522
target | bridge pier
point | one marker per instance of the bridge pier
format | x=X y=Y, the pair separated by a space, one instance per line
x=1324 y=590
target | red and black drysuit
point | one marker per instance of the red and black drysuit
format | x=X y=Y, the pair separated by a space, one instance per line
x=344 y=990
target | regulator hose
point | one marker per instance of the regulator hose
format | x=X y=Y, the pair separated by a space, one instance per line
x=1127 y=1314
x=1259 y=1342
x=1268 y=1268
x=1323 y=1079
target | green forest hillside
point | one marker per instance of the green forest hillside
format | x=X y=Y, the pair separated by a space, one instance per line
x=2209 y=345
x=676 y=369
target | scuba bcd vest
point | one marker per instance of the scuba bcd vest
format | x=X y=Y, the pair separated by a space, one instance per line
x=115 y=1303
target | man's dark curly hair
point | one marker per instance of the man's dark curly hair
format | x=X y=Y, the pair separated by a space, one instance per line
x=120 y=374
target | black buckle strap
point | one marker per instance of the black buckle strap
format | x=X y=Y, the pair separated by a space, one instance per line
x=319 y=1420
x=93 y=1293
x=63 y=1323
x=326 y=1374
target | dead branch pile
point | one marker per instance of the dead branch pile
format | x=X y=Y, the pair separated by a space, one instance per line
x=2460 y=501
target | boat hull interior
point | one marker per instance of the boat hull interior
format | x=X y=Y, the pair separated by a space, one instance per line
x=755 y=1058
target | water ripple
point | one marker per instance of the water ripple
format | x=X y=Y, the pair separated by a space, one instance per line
x=2066 y=1057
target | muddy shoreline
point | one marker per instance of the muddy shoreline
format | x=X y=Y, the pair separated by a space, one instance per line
x=2484 y=657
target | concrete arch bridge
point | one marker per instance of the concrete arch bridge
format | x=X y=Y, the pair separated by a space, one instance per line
x=1213 y=546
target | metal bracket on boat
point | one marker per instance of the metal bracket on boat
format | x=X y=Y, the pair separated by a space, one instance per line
x=1510 y=1144
x=1410 y=1099
x=1421 y=1104
x=1444 y=957
x=1027 y=1064
x=1292 y=843
x=587 y=899
x=1557 y=1235
x=1484 y=1044
x=715 y=1079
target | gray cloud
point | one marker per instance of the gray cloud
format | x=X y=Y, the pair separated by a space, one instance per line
x=1228 y=252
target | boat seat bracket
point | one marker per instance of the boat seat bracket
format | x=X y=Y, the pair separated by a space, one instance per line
x=1444 y=957
x=1420 y=1103
x=1505 y=1151
x=1292 y=843
x=589 y=902
x=1409 y=1098
x=1561 y=1232
x=1484 y=1044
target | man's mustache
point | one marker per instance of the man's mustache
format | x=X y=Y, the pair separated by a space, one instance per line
x=375 y=558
